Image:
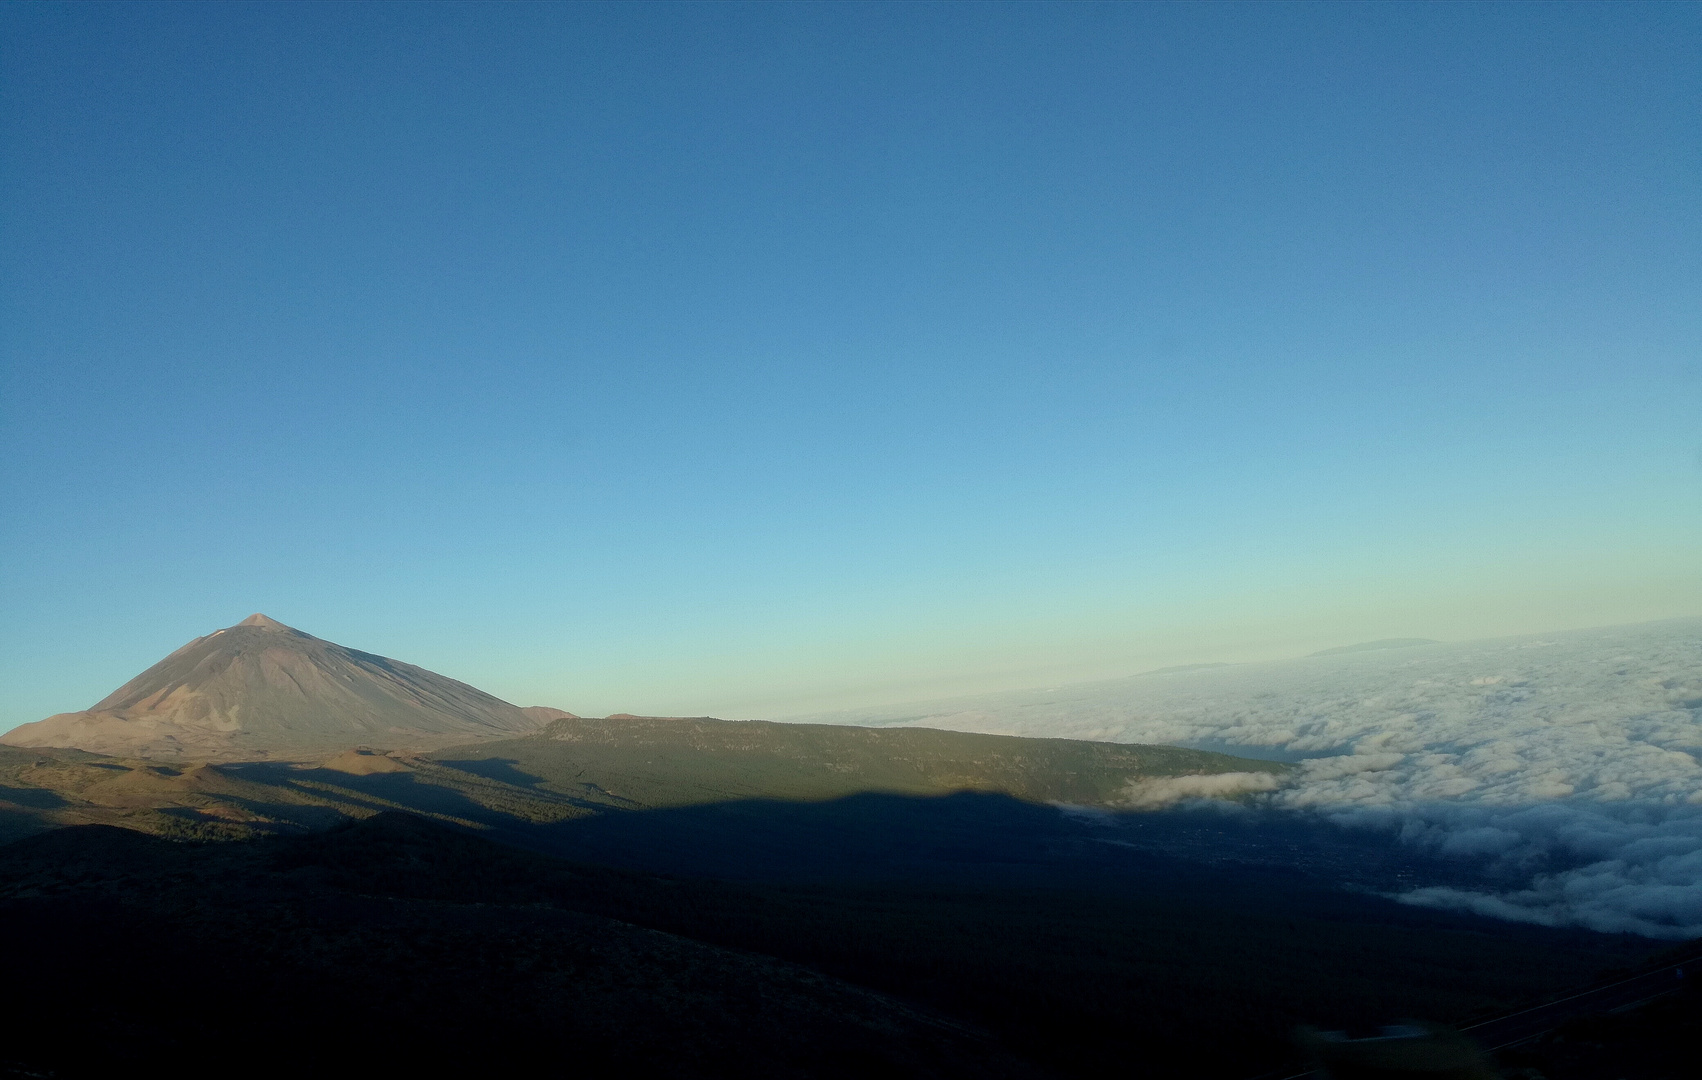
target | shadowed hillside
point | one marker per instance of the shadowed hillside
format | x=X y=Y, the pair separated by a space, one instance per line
x=402 y=944
x=398 y=947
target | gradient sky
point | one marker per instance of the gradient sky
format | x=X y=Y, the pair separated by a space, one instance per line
x=761 y=359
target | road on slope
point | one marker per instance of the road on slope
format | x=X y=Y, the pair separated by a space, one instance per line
x=1527 y=1024
x=1505 y=1031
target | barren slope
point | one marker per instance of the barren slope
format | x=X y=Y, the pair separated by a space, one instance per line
x=262 y=689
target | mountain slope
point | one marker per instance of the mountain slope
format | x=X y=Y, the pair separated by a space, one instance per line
x=679 y=761
x=577 y=768
x=399 y=948
x=261 y=689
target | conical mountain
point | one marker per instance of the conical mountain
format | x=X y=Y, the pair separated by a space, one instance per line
x=261 y=689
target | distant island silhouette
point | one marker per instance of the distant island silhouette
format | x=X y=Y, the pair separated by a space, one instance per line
x=1179 y=668
x=1377 y=646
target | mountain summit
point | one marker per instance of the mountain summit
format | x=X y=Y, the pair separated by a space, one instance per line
x=261 y=689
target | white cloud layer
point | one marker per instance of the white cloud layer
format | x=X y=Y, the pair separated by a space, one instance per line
x=1567 y=763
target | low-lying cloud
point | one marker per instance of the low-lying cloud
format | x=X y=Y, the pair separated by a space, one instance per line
x=1632 y=869
x=1565 y=765
x=1170 y=790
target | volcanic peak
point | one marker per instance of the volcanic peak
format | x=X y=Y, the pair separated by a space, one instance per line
x=266 y=622
x=261 y=689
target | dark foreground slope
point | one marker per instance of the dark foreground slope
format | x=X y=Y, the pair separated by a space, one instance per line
x=1657 y=1040
x=397 y=947
x=399 y=944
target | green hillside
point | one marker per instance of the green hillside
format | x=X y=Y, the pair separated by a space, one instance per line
x=672 y=761
x=576 y=769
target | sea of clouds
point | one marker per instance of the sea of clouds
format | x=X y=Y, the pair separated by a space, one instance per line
x=1565 y=765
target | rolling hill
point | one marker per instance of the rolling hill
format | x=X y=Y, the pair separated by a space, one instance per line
x=577 y=768
x=677 y=761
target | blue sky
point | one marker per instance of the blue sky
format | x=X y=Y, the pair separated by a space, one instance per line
x=759 y=359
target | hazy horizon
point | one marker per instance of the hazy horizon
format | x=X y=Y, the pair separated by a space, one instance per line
x=904 y=696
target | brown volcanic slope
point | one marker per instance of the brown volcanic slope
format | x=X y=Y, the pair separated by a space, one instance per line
x=261 y=689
